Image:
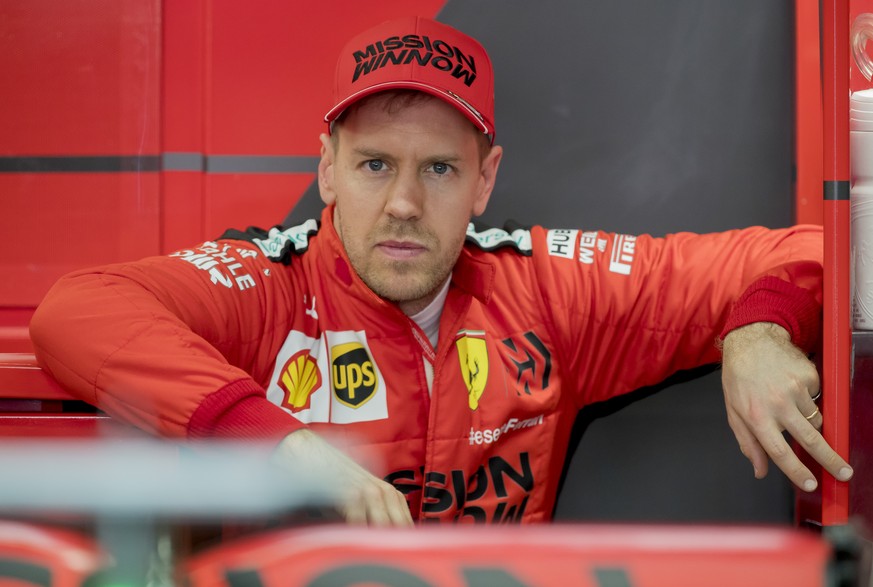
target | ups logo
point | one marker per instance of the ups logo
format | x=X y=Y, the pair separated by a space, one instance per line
x=354 y=379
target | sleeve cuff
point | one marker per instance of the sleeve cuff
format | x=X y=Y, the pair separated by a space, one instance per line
x=241 y=410
x=771 y=299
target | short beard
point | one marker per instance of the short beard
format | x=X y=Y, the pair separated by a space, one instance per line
x=426 y=287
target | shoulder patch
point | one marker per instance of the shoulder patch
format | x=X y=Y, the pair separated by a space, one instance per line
x=278 y=244
x=490 y=239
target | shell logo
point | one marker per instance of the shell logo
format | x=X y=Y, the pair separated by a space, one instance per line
x=299 y=379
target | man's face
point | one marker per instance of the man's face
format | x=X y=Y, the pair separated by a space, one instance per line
x=405 y=184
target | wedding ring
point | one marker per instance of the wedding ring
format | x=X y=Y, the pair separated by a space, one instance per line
x=818 y=395
x=812 y=415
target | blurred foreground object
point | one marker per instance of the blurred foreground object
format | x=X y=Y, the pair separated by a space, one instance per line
x=154 y=479
x=40 y=555
x=134 y=495
x=523 y=556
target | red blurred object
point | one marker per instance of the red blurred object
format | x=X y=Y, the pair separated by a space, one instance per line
x=31 y=555
x=519 y=556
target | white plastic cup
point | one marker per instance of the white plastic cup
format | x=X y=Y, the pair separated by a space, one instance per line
x=856 y=125
x=861 y=105
x=862 y=260
x=862 y=96
x=860 y=114
x=861 y=193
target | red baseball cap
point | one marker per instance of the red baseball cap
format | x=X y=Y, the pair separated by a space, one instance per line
x=417 y=53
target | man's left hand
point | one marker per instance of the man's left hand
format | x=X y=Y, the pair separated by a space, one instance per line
x=769 y=385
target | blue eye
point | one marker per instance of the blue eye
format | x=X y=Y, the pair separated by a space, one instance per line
x=375 y=165
x=440 y=168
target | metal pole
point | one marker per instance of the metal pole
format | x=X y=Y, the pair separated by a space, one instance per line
x=837 y=358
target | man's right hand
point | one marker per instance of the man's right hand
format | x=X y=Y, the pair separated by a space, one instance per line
x=366 y=498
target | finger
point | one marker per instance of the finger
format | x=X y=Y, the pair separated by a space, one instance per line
x=375 y=497
x=355 y=513
x=377 y=515
x=811 y=380
x=399 y=510
x=783 y=456
x=749 y=445
x=385 y=506
x=811 y=414
x=811 y=440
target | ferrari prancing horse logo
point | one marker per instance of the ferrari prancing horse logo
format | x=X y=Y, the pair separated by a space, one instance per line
x=473 y=357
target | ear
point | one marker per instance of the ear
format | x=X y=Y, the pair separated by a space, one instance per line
x=487 y=179
x=325 y=170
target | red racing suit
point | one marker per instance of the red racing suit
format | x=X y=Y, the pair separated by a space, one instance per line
x=258 y=334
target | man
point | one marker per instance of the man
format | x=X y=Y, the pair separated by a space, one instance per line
x=457 y=355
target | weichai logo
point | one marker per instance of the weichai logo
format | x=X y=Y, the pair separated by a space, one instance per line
x=299 y=379
x=354 y=378
x=497 y=491
x=419 y=48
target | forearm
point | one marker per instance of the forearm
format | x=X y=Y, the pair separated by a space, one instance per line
x=112 y=343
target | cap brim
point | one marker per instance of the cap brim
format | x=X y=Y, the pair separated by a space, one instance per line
x=450 y=98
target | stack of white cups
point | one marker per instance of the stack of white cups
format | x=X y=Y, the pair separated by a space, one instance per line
x=861 y=145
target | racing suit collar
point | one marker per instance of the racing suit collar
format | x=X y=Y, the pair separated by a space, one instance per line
x=474 y=275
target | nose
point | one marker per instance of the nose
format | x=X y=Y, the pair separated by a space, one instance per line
x=405 y=195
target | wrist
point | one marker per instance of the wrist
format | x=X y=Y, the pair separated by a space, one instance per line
x=746 y=335
x=774 y=300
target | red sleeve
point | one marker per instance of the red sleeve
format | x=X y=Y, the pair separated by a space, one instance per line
x=630 y=311
x=773 y=299
x=175 y=345
x=240 y=410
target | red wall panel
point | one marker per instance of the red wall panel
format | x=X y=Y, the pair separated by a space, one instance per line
x=250 y=79
x=79 y=77
x=173 y=80
x=241 y=200
x=182 y=76
x=54 y=223
x=271 y=68
x=808 y=149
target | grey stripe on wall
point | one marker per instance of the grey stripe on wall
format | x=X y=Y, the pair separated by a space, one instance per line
x=93 y=164
x=260 y=164
x=183 y=162
x=196 y=162
x=836 y=190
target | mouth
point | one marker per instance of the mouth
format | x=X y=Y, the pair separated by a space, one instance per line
x=400 y=249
